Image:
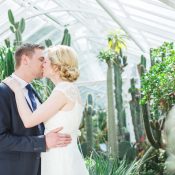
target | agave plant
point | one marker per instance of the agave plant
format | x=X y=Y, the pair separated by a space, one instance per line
x=99 y=164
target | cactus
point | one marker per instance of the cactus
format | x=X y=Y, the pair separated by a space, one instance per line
x=48 y=42
x=66 y=38
x=108 y=56
x=152 y=128
x=88 y=113
x=135 y=108
x=116 y=43
x=17 y=27
x=119 y=64
x=127 y=151
x=112 y=124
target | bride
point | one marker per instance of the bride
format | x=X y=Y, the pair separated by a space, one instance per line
x=62 y=108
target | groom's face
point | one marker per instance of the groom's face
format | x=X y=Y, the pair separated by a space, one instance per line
x=35 y=63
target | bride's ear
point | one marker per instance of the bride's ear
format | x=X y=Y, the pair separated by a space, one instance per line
x=56 y=68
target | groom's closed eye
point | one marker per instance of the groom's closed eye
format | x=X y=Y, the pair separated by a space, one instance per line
x=41 y=59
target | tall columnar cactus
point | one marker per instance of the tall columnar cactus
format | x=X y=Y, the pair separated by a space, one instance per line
x=115 y=44
x=135 y=108
x=17 y=27
x=112 y=123
x=119 y=63
x=66 y=38
x=88 y=113
x=108 y=56
x=152 y=127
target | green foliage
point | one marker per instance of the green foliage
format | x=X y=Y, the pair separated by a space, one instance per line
x=154 y=164
x=158 y=84
x=106 y=55
x=6 y=62
x=99 y=164
x=159 y=54
x=43 y=88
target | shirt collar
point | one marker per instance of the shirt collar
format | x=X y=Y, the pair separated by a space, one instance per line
x=21 y=81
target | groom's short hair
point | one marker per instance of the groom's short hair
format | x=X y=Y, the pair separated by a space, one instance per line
x=26 y=49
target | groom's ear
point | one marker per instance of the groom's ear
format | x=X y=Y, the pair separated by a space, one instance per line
x=24 y=60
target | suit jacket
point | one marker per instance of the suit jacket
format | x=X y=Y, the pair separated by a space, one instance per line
x=20 y=147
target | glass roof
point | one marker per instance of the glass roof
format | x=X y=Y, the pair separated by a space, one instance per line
x=148 y=24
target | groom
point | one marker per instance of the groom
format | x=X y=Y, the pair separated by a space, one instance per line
x=20 y=147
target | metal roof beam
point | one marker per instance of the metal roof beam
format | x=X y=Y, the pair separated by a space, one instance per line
x=150 y=12
x=77 y=16
x=169 y=3
x=128 y=16
x=35 y=8
x=120 y=23
x=148 y=28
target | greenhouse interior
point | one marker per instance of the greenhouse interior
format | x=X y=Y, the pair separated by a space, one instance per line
x=124 y=123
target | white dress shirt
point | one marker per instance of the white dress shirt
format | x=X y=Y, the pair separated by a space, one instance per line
x=25 y=91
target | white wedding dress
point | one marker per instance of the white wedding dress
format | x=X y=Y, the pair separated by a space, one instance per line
x=65 y=160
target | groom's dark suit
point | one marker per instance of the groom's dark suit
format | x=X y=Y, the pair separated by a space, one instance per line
x=20 y=147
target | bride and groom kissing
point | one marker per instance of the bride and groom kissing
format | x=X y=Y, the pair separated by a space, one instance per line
x=41 y=138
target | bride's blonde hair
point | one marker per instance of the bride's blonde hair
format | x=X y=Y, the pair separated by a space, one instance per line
x=64 y=60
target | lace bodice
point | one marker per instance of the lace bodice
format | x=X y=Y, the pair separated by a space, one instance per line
x=69 y=90
x=69 y=120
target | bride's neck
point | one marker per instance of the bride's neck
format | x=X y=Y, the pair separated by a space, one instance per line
x=56 y=80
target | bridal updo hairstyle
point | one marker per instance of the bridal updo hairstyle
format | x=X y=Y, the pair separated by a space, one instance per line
x=64 y=60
